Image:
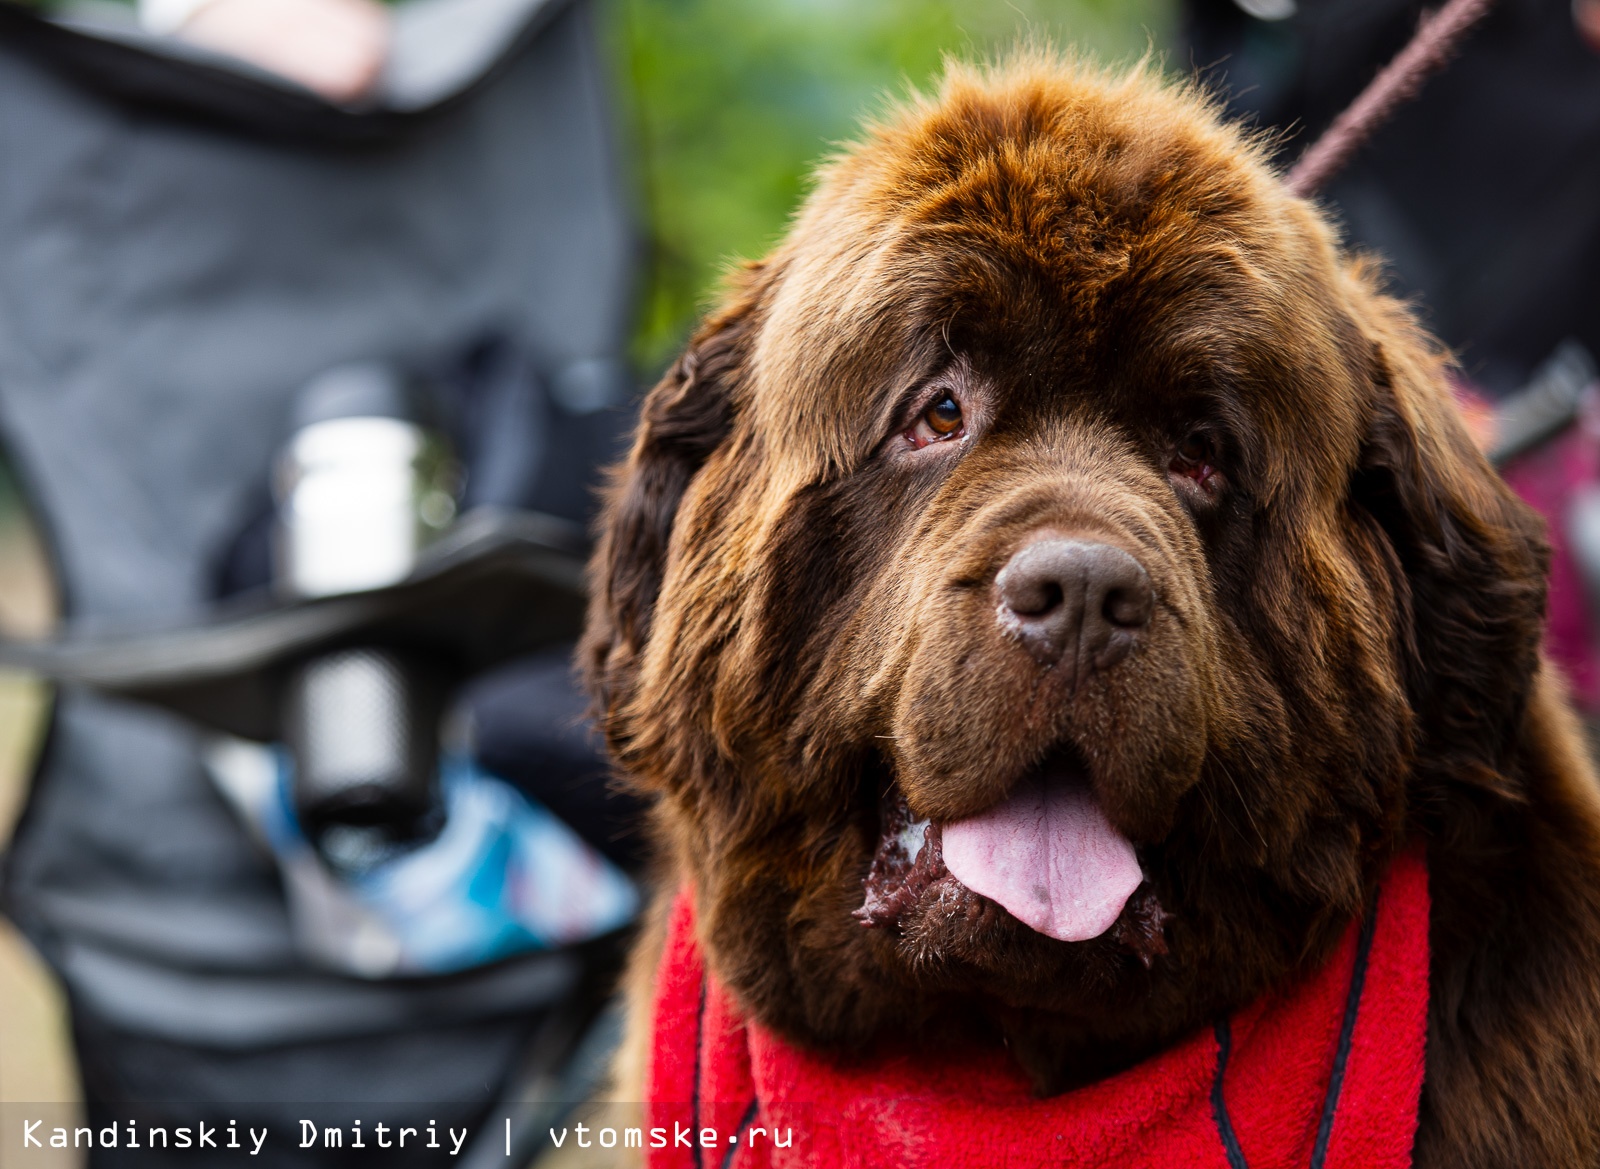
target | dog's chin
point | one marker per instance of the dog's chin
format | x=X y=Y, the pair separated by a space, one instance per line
x=1061 y=890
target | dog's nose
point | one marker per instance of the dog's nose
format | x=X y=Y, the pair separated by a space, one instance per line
x=1076 y=602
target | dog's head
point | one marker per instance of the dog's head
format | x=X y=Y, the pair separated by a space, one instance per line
x=1060 y=484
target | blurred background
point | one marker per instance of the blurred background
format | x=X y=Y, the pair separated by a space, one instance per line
x=35 y=1052
x=730 y=103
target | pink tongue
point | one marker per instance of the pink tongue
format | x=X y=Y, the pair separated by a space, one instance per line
x=1049 y=855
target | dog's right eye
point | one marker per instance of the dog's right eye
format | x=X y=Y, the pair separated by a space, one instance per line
x=940 y=422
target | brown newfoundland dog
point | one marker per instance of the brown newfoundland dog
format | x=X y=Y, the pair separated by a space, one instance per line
x=1060 y=482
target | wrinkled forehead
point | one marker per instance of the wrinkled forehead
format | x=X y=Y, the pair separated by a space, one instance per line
x=1065 y=284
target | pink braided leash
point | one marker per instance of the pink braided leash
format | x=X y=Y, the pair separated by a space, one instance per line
x=1437 y=37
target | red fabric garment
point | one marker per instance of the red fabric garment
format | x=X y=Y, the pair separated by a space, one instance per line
x=1326 y=1072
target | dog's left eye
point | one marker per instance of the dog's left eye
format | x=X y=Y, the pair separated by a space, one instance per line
x=1195 y=457
x=940 y=422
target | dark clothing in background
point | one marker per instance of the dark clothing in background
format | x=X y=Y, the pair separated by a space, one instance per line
x=1483 y=194
x=557 y=757
x=177 y=267
x=372 y=1077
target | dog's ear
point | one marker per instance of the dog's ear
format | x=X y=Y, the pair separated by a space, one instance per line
x=688 y=414
x=1470 y=558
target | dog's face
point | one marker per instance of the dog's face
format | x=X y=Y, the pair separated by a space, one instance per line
x=1059 y=484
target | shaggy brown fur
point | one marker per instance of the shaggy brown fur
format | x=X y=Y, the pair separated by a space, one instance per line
x=1153 y=345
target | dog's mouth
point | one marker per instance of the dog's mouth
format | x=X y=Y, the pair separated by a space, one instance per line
x=1046 y=854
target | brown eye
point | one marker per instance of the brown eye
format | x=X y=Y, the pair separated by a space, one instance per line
x=1195 y=458
x=944 y=416
x=940 y=422
x=1195 y=449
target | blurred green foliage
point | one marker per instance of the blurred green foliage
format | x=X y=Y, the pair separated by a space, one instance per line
x=731 y=103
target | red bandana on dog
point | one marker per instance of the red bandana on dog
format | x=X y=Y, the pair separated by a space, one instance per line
x=1326 y=1073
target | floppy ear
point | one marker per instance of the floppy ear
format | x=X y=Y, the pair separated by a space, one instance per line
x=687 y=415
x=1470 y=557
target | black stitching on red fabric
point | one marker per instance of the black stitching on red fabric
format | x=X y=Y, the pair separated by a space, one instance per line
x=737 y=1142
x=1219 y=1105
x=1347 y=1028
x=694 y=1099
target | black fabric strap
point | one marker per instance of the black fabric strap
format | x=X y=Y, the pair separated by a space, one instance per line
x=1330 y=1102
x=1219 y=1104
x=744 y=1125
x=1352 y=1008
x=694 y=1099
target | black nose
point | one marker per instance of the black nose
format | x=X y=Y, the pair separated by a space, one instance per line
x=1075 y=603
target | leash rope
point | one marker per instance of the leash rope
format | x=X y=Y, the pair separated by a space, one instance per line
x=1436 y=39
